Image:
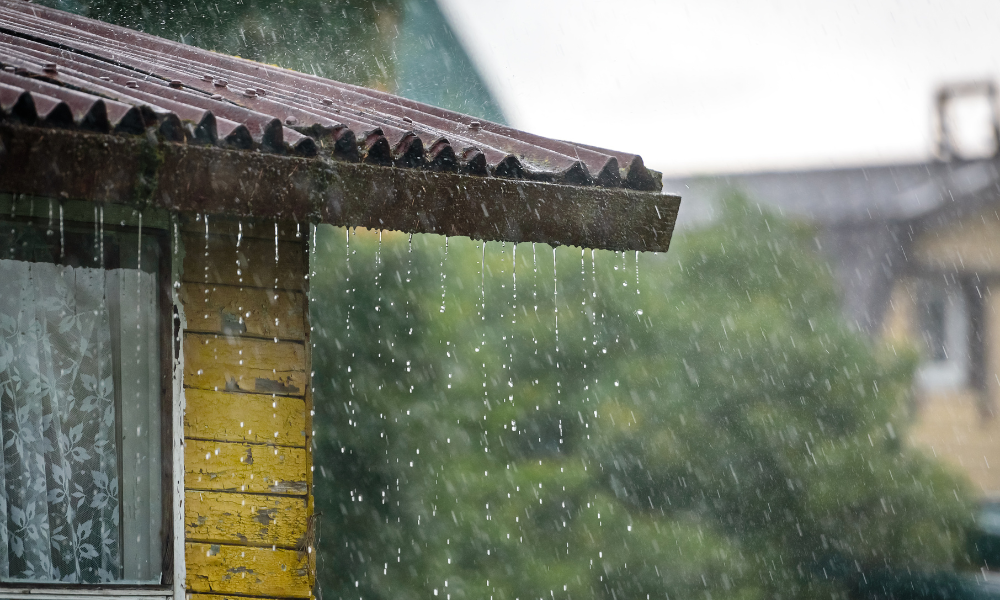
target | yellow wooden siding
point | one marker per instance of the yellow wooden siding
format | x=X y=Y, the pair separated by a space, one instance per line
x=246 y=519
x=224 y=597
x=255 y=468
x=217 y=260
x=253 y=418
x=233 y=310
x=229 y=569
x=247 y=489
x=228 y=363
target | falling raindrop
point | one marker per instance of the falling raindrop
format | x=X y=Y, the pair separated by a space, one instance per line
x=239 y=238
x=62 y=234
x=555 y=310
x=348 y=300
x=482 y=314
x=444 y=260
x=409 y=270
x=101 y=237
x=276 y=262
x=97 y=235
x=637 y=272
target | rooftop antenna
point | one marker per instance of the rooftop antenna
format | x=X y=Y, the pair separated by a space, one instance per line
x=946 y=147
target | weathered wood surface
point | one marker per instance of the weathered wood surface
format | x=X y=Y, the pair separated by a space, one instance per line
x=251 y=265
x=246 y=465
x=237 y=364
x=233 y=310
x=191 y=596
x=197 y=179
x=245 y=519
x=238 y=417
x=221 y=568
x=254 y=468
x=223 y=225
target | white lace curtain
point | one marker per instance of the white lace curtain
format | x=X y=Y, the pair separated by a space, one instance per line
x=62 y=329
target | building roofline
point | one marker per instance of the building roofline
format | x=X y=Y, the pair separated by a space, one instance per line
x=142 y=172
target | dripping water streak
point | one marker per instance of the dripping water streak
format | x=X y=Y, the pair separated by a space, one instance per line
x=513 y=273
x=482 y=287
x=239 y=238
x=513 y=321
x=206 y=256
x=347 y=291
x=101 y=237
x=555 y=307
x=444 y=260
x=534 y=292
x=97 y=235
x=62 y=234
x=624 y=283
x=378 y=302
x=637 y=272
x=409 y=270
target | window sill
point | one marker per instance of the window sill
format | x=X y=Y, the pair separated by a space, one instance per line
x=46 y=592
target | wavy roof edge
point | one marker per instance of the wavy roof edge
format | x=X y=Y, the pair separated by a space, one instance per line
x=66 y=71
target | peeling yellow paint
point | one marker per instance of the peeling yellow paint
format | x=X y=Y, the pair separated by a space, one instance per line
x=247 y=464
x=228 y=363
x=228 y=518
x=221 y=568
x=227 y=309
x=235 y=467
x=254 y=418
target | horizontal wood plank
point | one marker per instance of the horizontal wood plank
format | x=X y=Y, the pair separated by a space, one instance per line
x=191 y=596
x=254 y=468
x=222 y=569
x=255 y=228
x=233 y=310
x=237 y=417
x=235 y=364
x=218 y=260
x=245 y=519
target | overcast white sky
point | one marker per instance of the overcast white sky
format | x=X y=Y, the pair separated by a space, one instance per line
x=716 y=85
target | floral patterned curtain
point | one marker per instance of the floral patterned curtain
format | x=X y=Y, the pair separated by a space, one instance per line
x=59 y=482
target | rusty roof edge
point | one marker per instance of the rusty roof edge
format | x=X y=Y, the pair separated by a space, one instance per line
x=138 y=172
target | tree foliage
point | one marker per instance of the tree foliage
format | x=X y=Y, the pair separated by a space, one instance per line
x=722 y=431
x=344 y=40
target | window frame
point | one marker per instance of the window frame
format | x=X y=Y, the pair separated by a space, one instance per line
x=952 y=373
x=158 y=224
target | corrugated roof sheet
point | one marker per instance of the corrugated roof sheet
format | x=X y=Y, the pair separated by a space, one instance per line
x=62 y=70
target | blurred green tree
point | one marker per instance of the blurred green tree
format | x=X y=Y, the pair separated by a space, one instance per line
x=520 y=423
x=345 y=40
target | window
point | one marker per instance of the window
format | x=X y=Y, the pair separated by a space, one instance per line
x=943 y=322
x=81 y=479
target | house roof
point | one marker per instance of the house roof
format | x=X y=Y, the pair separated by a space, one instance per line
x=866 y=217
x=66 y=72
x=865 y=194
x=279 y=110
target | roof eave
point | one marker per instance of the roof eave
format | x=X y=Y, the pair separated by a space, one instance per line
x=140 y=172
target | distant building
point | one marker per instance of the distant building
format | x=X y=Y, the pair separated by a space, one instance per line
x=915 y=249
